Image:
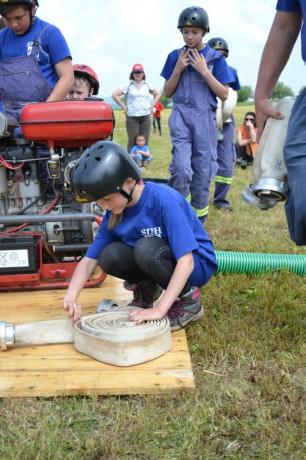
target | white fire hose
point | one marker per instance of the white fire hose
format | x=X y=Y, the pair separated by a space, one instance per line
x=225 y=109
x=269 y=184
x=109 y=337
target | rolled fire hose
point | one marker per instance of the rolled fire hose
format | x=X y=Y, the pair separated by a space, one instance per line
x=109 y=337
x=269 y=184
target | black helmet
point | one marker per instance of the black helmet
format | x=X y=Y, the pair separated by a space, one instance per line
x=219 y=43
x=8 y=5
x=12 y=2
x=193 y=16
x=102 y=170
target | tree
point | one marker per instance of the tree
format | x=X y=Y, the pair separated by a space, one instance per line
x=245 y=93
x=281 y=90
x=302 y=89
x=164 y=100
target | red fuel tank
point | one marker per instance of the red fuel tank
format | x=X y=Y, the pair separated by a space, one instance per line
x=67 y=123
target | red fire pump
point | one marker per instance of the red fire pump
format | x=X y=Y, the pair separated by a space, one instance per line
x=44 y=231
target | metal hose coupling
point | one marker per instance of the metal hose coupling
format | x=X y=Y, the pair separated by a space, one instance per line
x=7 y=335
x=269 y=170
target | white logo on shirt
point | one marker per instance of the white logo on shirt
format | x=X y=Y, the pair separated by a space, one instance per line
x=29 y=48
x=156 y=231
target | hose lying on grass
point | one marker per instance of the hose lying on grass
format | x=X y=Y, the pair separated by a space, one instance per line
x=245 y=262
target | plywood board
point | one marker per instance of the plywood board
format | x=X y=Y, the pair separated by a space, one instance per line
x=50 y=370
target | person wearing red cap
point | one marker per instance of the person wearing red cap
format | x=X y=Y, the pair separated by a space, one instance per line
x=138 y=103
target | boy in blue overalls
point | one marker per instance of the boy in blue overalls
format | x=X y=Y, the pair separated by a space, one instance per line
x=35 y=61
x=226 y=149
x=195 y=76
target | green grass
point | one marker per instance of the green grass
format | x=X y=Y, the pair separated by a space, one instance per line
x=247 y=357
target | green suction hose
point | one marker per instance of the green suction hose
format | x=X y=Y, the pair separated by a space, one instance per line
x=245 y=262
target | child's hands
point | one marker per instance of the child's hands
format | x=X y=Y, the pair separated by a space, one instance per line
x=73 y=308
x=143 y=153
x=148 y=314
x=183 y=60
x=198 y=61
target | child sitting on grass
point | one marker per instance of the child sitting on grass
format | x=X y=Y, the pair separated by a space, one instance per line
x=140 y=152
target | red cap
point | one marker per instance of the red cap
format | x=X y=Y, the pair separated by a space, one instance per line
x=137 y=68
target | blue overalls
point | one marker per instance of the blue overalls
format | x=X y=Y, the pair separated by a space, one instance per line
x=21 y=81
x=226 y=163
x=194 y=136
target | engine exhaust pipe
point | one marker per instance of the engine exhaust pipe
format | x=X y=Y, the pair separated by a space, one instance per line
x=269 y=170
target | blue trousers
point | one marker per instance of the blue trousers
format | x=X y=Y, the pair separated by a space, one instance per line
x=226 y=162
x=295 y=160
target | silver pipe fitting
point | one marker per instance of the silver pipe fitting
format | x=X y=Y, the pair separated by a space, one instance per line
x=7 y=335
x=269 y=170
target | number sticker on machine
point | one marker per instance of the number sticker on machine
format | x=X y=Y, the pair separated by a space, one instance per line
x=14 y=258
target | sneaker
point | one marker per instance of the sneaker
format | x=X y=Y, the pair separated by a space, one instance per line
x=187 y=308
x=144 y=293
x=224 y=207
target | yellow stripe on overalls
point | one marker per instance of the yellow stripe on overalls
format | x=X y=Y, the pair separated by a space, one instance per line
x=201 y=212
x=224 y=180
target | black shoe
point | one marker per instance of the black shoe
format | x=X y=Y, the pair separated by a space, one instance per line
x=144 y=293
x=225 y=207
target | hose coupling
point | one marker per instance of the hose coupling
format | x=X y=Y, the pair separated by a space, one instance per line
x=7 y=335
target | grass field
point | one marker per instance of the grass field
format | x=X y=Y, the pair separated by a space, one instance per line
x=247 y=356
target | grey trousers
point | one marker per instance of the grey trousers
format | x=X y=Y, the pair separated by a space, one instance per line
x=135 y=126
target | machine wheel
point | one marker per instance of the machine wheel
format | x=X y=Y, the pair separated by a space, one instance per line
x=106 y=305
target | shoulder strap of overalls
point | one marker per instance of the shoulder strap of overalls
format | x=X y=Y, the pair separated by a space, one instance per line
x=212 y=54
x=37 y=40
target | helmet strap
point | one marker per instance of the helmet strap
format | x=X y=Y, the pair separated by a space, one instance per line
x=126 y=195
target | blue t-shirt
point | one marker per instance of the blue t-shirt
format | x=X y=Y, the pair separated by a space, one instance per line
x=217 y=66
x=236 y=84
x=53 y=43
x=160 y=212
x=144 y=148
x=295 y=5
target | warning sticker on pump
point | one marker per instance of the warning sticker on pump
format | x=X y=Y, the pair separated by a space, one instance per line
x=14 y=258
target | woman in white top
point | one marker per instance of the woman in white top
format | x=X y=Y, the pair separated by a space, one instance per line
x=138 y=105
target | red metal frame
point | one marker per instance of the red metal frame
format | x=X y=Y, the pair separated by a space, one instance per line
x=48 y=276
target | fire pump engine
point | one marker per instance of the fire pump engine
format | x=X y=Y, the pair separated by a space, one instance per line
x=44 y=231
